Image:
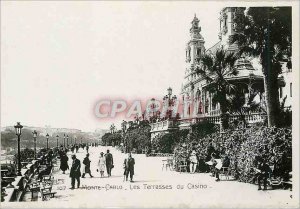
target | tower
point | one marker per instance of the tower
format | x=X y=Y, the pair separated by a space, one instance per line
x=227 y=26
x=194 y=51
x=195 y=46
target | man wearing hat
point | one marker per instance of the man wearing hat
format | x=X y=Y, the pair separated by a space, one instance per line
x=109 y=162
x=129 y=163
x=87 y=169
x=75 y=172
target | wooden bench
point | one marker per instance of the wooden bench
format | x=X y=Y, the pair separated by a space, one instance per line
x=47 y=179
x=34 y=187
x=287 y=184
x=47 y=192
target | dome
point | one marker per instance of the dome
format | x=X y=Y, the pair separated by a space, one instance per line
x=243 y=64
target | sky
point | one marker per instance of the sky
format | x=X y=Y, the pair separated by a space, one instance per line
x=59 y=58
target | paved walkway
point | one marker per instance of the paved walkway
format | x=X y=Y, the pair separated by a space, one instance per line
x=153 y=187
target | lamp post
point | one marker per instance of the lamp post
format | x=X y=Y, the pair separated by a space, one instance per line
x=75 y=140
x=64 y=141
x=169 y=92
x=34 y=138
x=67 y=140
x=47 y=137
x=18 y=129
x=57 y=140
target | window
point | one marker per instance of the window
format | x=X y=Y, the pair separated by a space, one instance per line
x=280 y=92
x=291 y=89
x=198 y=51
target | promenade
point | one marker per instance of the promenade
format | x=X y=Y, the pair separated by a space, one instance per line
x=154 y=187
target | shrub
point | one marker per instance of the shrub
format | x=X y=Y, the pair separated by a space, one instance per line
x=243 y=146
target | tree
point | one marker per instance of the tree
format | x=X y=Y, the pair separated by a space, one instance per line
x=215 y=69
x=266 y=33
x=203 y=128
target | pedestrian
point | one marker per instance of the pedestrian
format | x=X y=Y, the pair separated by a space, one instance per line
x=263 y=171
x=87 y=148
x=109 y=162
x=77 y=148
x=225 y=165
x=101 y=164
x=193 y=161
x=87 y=169
x=129 y=167
x=75 y=172
x=64 y=162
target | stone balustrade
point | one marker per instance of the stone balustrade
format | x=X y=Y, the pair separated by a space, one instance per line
x=163 y=125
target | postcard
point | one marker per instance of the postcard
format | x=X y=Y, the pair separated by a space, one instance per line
x=149 y=104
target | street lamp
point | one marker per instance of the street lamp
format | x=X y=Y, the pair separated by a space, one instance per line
x=18 y=129
x=75 y=140
x=64 y=140
x=47 y=137
x=34 y=137
x=67 y=140
x=57 y=140
x=169 y=92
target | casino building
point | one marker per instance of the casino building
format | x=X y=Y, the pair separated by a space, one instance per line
x=249 y=78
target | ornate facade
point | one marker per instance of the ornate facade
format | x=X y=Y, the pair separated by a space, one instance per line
x=249 y=78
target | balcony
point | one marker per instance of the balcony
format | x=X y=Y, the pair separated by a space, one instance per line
x=214 y=117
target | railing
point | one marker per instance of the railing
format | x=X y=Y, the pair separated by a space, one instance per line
x=163 y=125
x=214 y=117
x=152 y=154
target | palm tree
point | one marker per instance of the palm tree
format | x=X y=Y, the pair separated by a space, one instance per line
x=215 y=69
x=266 y=33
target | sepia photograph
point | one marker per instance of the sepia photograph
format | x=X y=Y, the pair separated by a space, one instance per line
x=149 y=104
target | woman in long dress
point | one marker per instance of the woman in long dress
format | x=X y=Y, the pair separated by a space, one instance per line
x=101 y=164
x=193 y=162
x=64 y=162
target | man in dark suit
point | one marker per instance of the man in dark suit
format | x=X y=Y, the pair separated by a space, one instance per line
x=109 y=162
x=87 y=169
x=129 y=167
x=263 y=172
x=225 y=165
x=75 y=172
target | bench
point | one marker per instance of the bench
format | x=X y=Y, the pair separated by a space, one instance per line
x=47 y=192
x=287 y=184
x=34 y=188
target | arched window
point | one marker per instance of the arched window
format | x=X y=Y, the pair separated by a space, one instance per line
x=198 y=52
